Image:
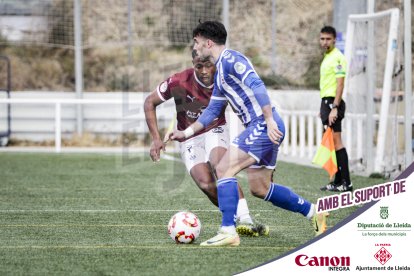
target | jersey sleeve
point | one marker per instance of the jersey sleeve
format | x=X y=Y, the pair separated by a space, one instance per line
x=239 y=66
x=340 y=67
x=164 y=88
x=254 y=82
x=244 y=71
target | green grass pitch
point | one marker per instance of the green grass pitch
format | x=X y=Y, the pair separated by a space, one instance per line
x=97 y=214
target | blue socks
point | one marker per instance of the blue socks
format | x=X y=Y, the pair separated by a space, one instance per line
x=285 y=198
x=228 y=197
x=278 y=195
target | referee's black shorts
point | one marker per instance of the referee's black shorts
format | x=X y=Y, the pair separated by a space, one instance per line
x=326 y=107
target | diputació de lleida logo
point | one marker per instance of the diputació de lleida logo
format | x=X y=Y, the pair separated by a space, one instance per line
x=384 y=212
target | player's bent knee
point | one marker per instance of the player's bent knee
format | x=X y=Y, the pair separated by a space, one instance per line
x=206 y=186
x=259 y=184
x=205 y=181
x=224 y=170
x=258 y=191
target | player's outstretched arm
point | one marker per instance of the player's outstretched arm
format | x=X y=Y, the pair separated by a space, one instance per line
x=188 y=132
x=150 y=104
x=212 y=112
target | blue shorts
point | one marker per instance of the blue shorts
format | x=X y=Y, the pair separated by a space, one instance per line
x=254 y=141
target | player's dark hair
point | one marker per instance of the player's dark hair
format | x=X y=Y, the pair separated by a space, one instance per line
x=193 y=54
x=329 y=30
x=212 y=30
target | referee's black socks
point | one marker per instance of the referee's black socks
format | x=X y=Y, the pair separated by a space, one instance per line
x=343 y=167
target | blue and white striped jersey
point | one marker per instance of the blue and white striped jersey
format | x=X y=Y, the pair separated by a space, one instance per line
x=232 y=70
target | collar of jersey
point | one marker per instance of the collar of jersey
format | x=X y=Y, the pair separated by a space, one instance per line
x=202 y=84
x=331 y=52
x=221 y=56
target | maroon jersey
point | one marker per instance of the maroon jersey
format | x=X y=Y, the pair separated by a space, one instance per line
x=191 y=98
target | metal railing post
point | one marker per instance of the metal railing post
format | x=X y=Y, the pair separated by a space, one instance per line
x=58 y=127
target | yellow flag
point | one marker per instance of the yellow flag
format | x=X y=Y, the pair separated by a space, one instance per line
x=325 y=155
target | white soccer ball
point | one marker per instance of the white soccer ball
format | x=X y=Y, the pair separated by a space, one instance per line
x=184 y=227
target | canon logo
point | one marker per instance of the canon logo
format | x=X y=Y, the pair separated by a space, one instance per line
x=303 y=260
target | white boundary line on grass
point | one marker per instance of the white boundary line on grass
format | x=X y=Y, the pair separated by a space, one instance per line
x=171 y=158
x=193 y=246
x=80 y=225
x=96 y=211
x=113 y=211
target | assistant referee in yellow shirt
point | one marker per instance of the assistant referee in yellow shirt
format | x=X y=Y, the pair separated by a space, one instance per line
x=332 y=111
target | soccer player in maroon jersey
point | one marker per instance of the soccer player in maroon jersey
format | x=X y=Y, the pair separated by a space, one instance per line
x=191 y=90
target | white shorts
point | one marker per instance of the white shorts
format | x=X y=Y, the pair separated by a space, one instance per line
x=197 y=149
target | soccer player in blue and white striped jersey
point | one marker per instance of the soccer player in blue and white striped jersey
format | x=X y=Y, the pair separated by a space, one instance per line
x=256 y=148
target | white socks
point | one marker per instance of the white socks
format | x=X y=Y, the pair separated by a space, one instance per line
x=242 y=215
x=311 y=212
x=228 y=229
x=243 y=212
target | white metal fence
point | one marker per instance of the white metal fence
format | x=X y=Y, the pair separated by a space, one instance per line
x=301 y=139
x=119 y=115
x=33 y=114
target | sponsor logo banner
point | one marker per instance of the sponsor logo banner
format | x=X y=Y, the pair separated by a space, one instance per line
x=375 y=240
